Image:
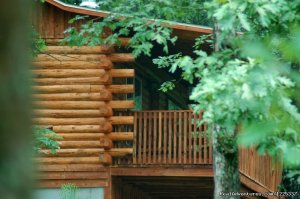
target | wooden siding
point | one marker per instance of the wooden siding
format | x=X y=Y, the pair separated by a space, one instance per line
x=73 y=94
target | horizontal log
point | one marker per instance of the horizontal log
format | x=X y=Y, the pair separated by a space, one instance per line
x=72 y=167
x=124 y=41
x=122 y=120
x=78 y=183
x=103 y=128
x=70 y=121
x=122 y=73
x=103 y=80
x=105 y=143
x=68 y=160
x=83 y=104
x=115 y=152
x=71 y=89
x=102 y=112
x=116 y=136
x=105 y=158
x=78 y=50
x=79 y=144
x=122 y=104
x=121 y=88
x=70 y=105
x=104 y=95
x=54 y=73
x=105 y=63
x=72 y=175
x=72 y=57
x=121 y=57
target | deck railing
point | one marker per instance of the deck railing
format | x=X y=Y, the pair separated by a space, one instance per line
x=177 y=138
x=171 y=137
x=260 y=169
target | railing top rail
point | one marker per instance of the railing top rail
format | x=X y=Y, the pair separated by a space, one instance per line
x=151 y=111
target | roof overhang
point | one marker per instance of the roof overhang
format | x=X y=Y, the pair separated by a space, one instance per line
x=190 y=30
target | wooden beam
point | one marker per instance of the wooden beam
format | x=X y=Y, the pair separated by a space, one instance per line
x=192 y=172
x=78 y=50
x=73 y=64
x=69 y=121
x=105 y=143
x=101 y=59
x=101 y=128
x=59 y=113
x=105 y=158
x=72 y=167
x=121 y=88
x=104 y=95
x=121 y=57
x=126 y=104
x=122 y=73
x=122 y=104
x=55 y=73
x=124 y=41
x=68 y=160
x=116 y=136
x=103 y=80
x=122 y=120
x=87 y=152
x=255 y=186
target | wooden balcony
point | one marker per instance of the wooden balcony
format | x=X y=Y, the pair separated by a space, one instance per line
x=177 y=139
x=171 y=137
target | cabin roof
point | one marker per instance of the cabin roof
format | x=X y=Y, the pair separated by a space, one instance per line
x=99 y=13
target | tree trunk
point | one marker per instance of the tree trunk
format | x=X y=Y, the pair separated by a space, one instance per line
x=225 y=151
x=15 y=134
x=225 y=164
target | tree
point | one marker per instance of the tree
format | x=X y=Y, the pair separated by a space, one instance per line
x=15 y=131
x=248 y=81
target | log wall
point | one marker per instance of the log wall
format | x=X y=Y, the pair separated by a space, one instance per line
x=74 y=96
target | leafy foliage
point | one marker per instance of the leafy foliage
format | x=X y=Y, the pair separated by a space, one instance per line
x=185 y=11
x=250 y=80
x=93 y=33
x=45 y=138
x=38 y=44
x=68 y=191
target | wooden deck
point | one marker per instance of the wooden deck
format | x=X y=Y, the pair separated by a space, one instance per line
x=177 y=139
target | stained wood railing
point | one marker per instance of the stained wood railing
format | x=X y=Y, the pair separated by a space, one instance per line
x=171 y=137
x=260 y=169
x=177 y=138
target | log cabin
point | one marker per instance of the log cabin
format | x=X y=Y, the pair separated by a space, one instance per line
x=122 y=138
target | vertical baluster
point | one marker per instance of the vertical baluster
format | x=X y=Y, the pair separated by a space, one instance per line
x=159 y=136
x=165 y=133
x=205 y=142
x=170 y=117
x=190 y=146
x=145 y=138
x=210 y=145
x=134 y=138
x=185 y=137
x=180 y=137
x=150 y=141
x=140 y=132
x=175 y=137
x=200 y=132
x=194 y=139
x=154 y=136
